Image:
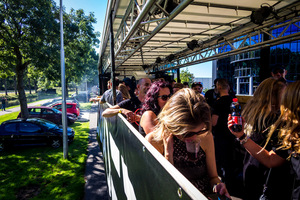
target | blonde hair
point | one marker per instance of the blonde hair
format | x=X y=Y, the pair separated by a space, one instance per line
x=125 y=93
x=184 y=111
x=288 y=123
x=261 y=109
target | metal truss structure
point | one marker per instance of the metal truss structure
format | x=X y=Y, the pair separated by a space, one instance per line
x=152 y=35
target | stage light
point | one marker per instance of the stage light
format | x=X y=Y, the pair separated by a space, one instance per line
x=170 y=57
x=158 y=60
x=192 y=44
x=145 y=66
x=260 y=15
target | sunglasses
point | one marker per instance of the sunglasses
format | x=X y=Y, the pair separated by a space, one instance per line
x=165 y=97
x=191 y=134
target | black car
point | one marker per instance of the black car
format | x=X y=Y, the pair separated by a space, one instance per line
x=19 y=132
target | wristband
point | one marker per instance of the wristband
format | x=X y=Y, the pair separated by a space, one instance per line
x=120 y=111
x=242 y=137
x=243 y=141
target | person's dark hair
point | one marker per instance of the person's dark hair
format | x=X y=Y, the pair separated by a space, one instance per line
x=151 y=102
x=278 y=69
x=223 y=83
x=215 y=81
x=186 y=83
x=197 y=83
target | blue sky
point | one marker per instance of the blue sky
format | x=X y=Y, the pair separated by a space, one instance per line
x=98 y=7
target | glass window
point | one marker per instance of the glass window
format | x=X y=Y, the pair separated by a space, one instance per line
x=47 y=111
x=58 y=107
x=69 y=106
x=11 y=127
x=29 y=128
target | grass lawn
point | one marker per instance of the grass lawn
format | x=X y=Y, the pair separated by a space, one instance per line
x=40 y=172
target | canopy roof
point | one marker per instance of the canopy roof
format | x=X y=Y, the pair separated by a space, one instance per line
x=147 y=29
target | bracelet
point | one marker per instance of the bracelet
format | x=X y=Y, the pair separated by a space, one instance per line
x=243 y=141
x=242 y=137
x=120 y=111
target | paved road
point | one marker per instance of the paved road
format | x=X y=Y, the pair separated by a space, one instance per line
x=17 y=109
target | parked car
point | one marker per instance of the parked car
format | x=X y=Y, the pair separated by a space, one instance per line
x=59 y=100
x=50 y=114
x=71 y=108
x=20 y=132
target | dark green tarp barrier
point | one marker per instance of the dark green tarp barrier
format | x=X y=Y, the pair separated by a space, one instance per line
x=134 y=169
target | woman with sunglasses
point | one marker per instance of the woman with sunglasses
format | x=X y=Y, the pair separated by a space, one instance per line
x=185 y=118
x=155 y=99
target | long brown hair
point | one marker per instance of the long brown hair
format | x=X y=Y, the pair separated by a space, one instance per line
x=262 y=108
x=288 y=124
x=125 y=93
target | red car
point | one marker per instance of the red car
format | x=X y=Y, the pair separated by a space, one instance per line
x=50 y=114
x=71 y=107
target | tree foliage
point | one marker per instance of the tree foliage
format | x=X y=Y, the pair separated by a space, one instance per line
x=30 y=44
x=28 y=33
x=186 y=76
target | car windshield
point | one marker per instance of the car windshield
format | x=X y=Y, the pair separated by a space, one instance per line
x=47 y=124
x=56 y=111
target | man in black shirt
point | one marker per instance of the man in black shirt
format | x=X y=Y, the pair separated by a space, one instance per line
x=224 y=140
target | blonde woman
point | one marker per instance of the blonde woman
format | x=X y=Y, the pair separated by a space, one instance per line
x=125 y=93
x=186 y=118
x=288 y=128
x=266 y=171
x=260 y=112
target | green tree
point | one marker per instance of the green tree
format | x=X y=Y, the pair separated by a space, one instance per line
x=29 y=33
x=186 y=76
x=80 y=38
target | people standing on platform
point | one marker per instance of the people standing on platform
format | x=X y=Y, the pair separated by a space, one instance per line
x=260 y=112
x=3 y=101
x=130 y=107
x=155 y=99
x=108 y=94
x=183 y=136
x=229 y=162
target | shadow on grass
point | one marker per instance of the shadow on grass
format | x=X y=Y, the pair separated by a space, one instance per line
x=22 y=168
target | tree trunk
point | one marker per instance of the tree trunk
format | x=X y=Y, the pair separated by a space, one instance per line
x=21 y=90
x=5 y=86
x=29 y=85
x=15 y=82
x=20 y=70
x=35 y=86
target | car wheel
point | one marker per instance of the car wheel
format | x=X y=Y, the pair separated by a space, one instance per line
x=55 y=143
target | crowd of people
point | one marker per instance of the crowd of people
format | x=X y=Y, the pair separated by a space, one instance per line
x=193 y=131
